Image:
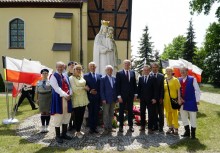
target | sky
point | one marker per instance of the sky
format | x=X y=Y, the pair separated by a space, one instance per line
x=166 y=19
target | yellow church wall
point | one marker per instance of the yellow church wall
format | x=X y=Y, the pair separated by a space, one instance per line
x=121 y=47
x=41 y=31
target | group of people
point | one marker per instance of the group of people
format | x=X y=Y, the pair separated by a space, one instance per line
x=66 y=94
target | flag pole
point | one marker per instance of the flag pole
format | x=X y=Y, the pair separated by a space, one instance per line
x=9 y=120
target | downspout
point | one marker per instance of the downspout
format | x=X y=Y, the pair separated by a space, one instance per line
x=81 y=50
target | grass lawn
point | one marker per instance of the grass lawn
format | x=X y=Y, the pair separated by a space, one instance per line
x=208 y=134
x=209 y=88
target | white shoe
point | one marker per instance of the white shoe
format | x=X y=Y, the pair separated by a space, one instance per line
x=79 y=135
x=82 y=133
x=46 y=128
x=42 y=129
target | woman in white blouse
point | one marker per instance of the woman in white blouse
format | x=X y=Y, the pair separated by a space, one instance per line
x=79 y=97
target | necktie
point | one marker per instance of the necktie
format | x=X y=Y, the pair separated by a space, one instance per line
x=111 y=81
x=155 y=75
x=93 y=76
x=44 y=84
x=145 y=80
x=127 y=75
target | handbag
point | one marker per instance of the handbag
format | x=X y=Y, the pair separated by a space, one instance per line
x=174 y=101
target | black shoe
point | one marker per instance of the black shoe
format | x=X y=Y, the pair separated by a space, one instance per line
x=120 y=129
x=131 y=129
x=59 y=140
x=66 y=137
x=187 y=131
x=91 y=131
x=95 y=131
x=34 y=108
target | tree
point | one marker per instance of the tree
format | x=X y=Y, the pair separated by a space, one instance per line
x=146 y=54
x=204 y=5
x=198 y=60
x=175 y=49
x=212 y=47
x=190 y=45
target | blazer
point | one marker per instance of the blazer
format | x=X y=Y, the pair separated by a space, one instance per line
x=108 y=92
x=147 y=91
x=125 y=87
x=159 y=86
x=93 y=85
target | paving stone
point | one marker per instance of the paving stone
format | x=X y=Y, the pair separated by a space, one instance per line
x=29 y=129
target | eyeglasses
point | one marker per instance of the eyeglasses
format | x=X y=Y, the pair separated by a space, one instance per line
x=44 y=73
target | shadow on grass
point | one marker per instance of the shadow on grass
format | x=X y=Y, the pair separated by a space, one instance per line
x=218 y=113
x=191 y=145
x=51 y=150
x=5 y=130
x=201 y=115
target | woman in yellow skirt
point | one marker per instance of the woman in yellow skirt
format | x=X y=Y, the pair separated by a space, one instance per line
x=171 y=114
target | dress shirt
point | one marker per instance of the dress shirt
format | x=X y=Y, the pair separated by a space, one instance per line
x=110 y=80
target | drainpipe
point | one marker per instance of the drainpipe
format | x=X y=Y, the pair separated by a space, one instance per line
x=81 y=50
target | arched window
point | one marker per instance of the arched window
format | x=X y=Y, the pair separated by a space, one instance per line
x=16 y=33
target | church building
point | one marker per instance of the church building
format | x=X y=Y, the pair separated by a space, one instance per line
x=61 y=30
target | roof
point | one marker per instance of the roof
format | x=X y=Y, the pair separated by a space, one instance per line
x=42 y=3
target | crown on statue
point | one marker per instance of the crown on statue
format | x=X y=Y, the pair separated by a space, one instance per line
x=105 y=23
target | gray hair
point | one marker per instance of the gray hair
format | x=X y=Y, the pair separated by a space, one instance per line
x=183 y=67
x=60 y=63
x=108 y=66
x=92 y=63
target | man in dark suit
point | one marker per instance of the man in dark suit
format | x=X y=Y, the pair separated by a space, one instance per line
x=159 y=121
x=108 y=97
x=93 y=82
x=126 y=93
x=147 y=93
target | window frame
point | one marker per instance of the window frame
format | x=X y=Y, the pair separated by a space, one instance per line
x=9 y=34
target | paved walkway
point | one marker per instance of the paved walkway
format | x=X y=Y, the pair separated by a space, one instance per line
x=29 y=129
x=210 y=97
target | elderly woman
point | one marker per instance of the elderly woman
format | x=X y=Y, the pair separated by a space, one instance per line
x=43 y=96
x=174 y=89
x=80 y=100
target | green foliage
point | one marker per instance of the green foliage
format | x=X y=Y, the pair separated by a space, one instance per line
x=212 y=47
x=204 y=5
x=175 y=49
x=190 y=44
x=198 y=60
x=2 y=85
x=146 y=54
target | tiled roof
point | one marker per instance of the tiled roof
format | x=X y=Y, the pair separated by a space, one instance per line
x=42 y=1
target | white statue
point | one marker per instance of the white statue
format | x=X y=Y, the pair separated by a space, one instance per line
x=112 y=54
x=100 y=49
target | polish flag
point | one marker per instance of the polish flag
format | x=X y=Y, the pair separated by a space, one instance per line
x=21 y=71
x=193 y=70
